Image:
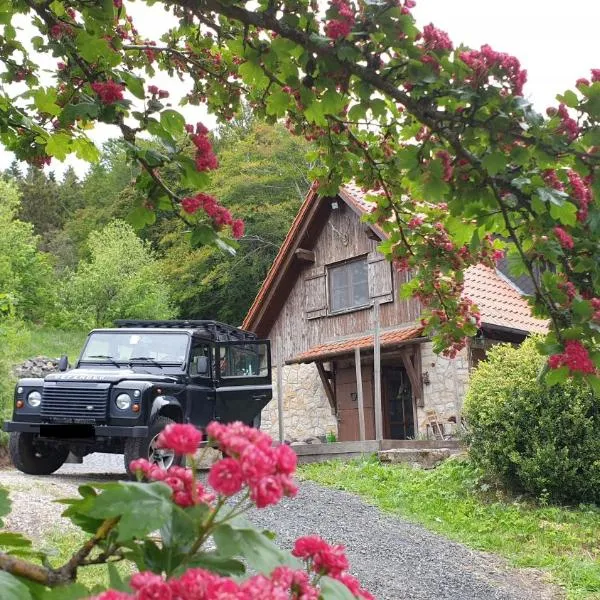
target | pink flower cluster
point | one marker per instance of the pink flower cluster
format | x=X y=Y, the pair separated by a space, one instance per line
x=251 y=460
x=219 y=214
x=582 y=194
x=575 y=357
x=182 y=438
x=283 y=583
x=342 y=26
x=205 y=157
x=186 y=491
x=444 y=156
x=109 y=91
x=568 y=125
x=564 y=239
x=436 y=39
x=324 y=559
x=155 y=91
x=595 y=75
x=485 y=61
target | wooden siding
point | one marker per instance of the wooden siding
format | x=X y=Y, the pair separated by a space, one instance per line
x=303 y=321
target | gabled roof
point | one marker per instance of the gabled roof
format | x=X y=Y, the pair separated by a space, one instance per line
x=499 y=302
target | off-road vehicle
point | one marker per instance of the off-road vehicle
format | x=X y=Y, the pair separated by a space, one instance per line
x=132 y=381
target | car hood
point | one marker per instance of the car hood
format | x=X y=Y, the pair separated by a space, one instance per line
x=107 y=376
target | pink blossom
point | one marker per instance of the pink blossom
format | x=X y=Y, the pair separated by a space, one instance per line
x=225 y=477
x=109 y=92
x=564 y=239
x=575 y=357
x=237 y=228
x=595 y=75
x=436 y=39
x=144 y=578
x=286 y=459
x=182 y=438
x=266 y=491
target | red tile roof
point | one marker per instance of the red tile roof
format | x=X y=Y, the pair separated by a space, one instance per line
x=499 y=302
x=347 y=346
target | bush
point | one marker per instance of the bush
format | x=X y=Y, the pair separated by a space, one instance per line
x=534 y=438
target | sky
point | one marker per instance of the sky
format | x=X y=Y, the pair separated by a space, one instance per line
x=556 y=41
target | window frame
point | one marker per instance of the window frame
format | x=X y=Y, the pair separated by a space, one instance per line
x=329 y=280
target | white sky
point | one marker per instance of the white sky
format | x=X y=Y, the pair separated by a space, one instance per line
x=556 y=41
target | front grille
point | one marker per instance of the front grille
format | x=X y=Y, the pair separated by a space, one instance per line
x=75 y=404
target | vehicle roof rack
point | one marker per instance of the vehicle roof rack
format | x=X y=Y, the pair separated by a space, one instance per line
x=219 y=332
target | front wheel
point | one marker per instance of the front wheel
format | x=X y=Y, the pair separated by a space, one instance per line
x=146 y=447
x=34 y=457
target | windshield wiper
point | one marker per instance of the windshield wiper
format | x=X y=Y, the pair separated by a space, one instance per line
x=152 y=361
x=105 y=357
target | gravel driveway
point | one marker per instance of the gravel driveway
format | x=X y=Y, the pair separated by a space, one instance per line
x=394 y=559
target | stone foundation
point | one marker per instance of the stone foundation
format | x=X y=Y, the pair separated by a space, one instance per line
x=306 y=410
x=448 y=379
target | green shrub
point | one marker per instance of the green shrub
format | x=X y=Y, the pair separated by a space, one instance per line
x=534 y=438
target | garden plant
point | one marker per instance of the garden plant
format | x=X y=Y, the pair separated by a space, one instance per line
x=162 y=524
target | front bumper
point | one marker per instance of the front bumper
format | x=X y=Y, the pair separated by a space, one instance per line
x=62 y=430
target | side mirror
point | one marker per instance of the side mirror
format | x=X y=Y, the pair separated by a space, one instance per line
x=63 y=363
x=202 y=365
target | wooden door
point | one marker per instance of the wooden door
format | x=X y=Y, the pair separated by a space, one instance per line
x=398 y=409
x=347 y=402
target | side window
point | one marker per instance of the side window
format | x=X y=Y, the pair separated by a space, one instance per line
x=348 y=285
x=200 y=361
x=244 y=360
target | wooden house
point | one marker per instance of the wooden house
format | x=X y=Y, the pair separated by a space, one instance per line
x=331 y=298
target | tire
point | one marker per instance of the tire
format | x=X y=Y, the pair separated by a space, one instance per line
x=35 y=458
x=141 y=447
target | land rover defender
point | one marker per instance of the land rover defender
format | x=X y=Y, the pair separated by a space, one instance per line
x=129 y=383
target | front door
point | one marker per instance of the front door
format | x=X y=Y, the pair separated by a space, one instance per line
x=243 y=380
x=399 y=421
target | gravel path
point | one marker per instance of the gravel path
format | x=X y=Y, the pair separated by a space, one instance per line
x=394 y=559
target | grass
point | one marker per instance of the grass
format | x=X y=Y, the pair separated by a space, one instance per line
x=453 y=501
x=18 y=343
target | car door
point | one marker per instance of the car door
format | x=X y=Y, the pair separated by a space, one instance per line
x=200 y=395
x=243 y=380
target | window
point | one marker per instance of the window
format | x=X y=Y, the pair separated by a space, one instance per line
x=244 y=360
x=200 y=361
x=348 y=285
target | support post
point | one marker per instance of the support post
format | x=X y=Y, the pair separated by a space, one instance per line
x=280 y=390
x=360 y=398
x=377 y=374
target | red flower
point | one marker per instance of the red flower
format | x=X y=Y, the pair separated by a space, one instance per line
x=112 y=595
x=158 y=590
x=564 y=239
x=336 y=29
x=118 y=3
x=286 y=459
x=266 y=492
x=190 y=205
x=163 y=94
x=225 y=477
x=595 y=75
x=436 y=39
x=152 y=89
x=140 y=580
x=109 y=92
x=182 y=438
x=575 y=357
x=237 y=228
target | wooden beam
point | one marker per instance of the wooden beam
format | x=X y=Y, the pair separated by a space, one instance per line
x=305 y=256
x=415 y=379
x=280 y=389
x=360 y=398
x=377 y=373
x=328 y=388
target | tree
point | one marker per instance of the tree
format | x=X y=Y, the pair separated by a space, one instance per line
x=120 y=280
x=263 y=177
x=461 y=165
x=25 y=272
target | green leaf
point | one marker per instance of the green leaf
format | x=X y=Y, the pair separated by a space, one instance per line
x=332 y=102
x=225 y=246
x=314 y=114
x=566 y=214
x=141 y=216
x=143 y=507
x=253 y=74
x=193 y=178
x=241 y=538
x=277 y=103
x=86 y=150
x=12 y=588
x=555 y=376
x=83 y=110
x=212 y=561
x=75 y=591
x=58 y=145
x=14 y=540
x=202 y=235
x=114 y=579
x=92 y=47
x=172 y=121
x=45 y=101
x=134 y=84
x=570 y=99
x=4 y=504
x=551 y=195
x=494 y=162
x=332 y=589
x=594 y=382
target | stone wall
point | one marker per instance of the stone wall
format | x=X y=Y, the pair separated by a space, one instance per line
x=448 y=379
x=306 y=410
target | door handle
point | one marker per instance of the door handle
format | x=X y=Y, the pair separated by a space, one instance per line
x=259 y=397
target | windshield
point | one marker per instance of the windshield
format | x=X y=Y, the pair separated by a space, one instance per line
x=114 y=346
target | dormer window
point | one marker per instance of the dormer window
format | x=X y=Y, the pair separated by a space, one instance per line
x=348 y=285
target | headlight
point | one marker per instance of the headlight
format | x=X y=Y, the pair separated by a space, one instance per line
x=34 y=399
x=123 y=401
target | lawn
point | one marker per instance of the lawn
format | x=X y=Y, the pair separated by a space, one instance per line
x=454 y=501
x=17 y=343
